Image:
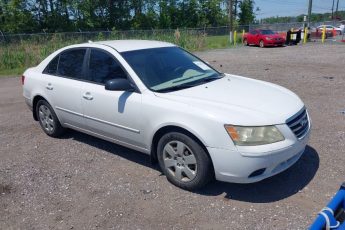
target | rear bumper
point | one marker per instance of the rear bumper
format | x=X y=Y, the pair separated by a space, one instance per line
x=233 y=166
x=28 y=102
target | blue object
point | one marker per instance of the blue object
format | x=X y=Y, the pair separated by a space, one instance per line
x=326 y=219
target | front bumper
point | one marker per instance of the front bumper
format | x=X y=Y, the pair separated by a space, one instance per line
x=275 y=43
x=235 y=166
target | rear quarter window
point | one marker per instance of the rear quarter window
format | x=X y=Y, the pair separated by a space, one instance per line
x=52 y=66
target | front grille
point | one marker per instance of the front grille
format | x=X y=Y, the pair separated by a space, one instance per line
x=299 y=123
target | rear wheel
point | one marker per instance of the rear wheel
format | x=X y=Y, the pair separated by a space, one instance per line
x=262 y=44
x=48 y=119
x=184 y=162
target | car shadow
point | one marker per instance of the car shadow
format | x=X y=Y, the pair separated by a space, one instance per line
x=275 y=47
x=269 y=190
x=123 y=152
x=269 y=47
x=122 y=101
x=272 y=47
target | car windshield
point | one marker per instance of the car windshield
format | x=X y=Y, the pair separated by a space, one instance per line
x=169 y=68
x=267 y=32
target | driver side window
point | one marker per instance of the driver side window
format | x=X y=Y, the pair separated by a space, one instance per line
x=103 y=67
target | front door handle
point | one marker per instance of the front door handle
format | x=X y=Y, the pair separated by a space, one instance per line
x=88 y=96
x=49 y=86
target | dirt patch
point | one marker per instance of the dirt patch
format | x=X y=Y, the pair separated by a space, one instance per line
x=5 y=189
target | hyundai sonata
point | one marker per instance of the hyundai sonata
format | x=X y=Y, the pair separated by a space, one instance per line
x=159 y=99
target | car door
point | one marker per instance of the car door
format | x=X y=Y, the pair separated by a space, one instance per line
x=257 y=37
x=63 y=86
x=112 y=114
x=250 y=37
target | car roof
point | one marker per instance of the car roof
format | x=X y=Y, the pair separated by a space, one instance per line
x=131 y=45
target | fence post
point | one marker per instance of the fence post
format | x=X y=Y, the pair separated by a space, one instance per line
x=230 y=37
x=235 y=37
x=323 y=34
x=305 y=35
x=242 y=35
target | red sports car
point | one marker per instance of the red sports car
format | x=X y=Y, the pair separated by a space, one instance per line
x=263 y=38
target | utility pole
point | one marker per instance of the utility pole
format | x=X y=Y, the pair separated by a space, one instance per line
x=231 y=20
x=336 y=9
x=333 y=10
x=309 y=11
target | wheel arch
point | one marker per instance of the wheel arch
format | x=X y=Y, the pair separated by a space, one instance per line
x=36 y=99
x=174 y=128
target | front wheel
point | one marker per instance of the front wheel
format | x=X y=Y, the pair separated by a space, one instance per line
x=262 y=44
x=245 y=42
x=184 y=161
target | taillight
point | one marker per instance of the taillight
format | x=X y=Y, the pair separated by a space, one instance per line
x=23 y=79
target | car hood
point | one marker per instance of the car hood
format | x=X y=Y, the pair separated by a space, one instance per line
x=240 y=101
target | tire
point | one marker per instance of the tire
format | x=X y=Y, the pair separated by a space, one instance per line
x=48 y=119
x=184 y=161
x=262 y=44
x=245 y=42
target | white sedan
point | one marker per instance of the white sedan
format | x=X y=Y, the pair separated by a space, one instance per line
x=330 y=28
x=157 y=98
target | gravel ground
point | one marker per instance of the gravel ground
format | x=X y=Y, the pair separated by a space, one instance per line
x=80 y=182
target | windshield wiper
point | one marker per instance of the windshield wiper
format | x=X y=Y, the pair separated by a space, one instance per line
x=211 y=78
x=192 y=84
x=174 y=88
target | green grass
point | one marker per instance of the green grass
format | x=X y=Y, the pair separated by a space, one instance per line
x=11 y=72
x=217 y=42
x=16 y=57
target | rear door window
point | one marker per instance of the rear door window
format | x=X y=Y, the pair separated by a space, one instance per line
x=71 y=63
x=103 y=67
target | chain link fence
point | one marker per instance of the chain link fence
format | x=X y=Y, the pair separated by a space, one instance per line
x=19 y=51
x=170 y=35
x=158 y=34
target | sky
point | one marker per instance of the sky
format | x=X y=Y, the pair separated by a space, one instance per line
x=269 y=8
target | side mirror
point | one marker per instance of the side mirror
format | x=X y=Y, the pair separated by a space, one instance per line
x=119 y=84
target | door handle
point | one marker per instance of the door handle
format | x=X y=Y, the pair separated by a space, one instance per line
x=49 y=86
x=88 y=96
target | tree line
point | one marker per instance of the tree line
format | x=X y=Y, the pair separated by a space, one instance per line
x=30 y=16
x=315 y=17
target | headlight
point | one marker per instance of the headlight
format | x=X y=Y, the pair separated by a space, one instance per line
x=268 y=39
x=249 y=136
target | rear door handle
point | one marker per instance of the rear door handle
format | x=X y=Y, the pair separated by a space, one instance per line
x=49 y=86
x=88 y=96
